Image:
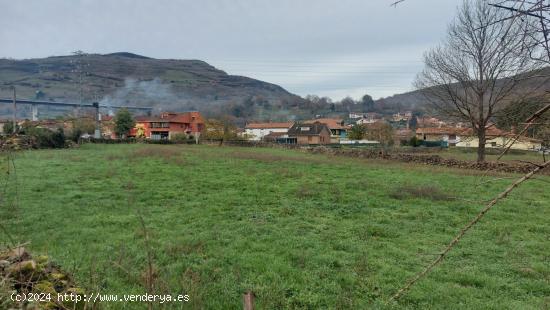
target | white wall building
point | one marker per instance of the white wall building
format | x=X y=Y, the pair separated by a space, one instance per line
x=257 y=131
x=356 y=115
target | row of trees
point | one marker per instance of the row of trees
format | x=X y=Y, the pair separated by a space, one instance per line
x=308 y=107
x=348 y=104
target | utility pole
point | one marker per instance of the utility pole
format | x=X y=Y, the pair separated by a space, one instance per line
x=80 y=65
x=97 y=132
x=14 y=111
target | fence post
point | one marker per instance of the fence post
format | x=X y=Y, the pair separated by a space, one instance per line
x=248 y=301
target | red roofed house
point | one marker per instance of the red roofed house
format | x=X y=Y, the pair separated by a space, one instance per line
x=337 y=128
x=167 y=125
x=433 y=134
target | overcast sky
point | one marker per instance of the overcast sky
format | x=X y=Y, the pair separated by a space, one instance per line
x=329 y=48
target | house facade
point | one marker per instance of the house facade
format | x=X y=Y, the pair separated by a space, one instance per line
x=466 y=137
x=338 y=131
x=497 y=138
x=369 y=118
x=449 y=135
x=258 y=131
x=168 y=125
x=309 y=134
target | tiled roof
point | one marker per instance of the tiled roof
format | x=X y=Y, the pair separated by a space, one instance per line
x=332 y=123
x=268 y=125
x=490 y=132
x=307 y=129
x=186 y=117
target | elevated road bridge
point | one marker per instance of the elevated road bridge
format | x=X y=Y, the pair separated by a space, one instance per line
x=35 y=103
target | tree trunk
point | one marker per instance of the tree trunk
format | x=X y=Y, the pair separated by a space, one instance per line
x=481 y=147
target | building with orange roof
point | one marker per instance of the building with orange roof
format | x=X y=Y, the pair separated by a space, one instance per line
x=336 y=125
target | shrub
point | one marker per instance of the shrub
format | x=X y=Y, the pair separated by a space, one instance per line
x=415 y=142
x=180 y=138
x=8 y=128
x=75 y=135
x=45 y=138
x=58 y=138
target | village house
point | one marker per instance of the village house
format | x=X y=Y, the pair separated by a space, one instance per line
x=427 y=122
x=447 y=135
x=369 y=118
x=168 y=125
x=403 y=136
x=497 y=138
x=356 y=115
x=466 y=137
x=336 y=126
x=309 y=133
x=257 y=131
x=402 y=116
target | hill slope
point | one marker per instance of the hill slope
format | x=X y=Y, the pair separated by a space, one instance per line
x=125 y=78
x=416 y=100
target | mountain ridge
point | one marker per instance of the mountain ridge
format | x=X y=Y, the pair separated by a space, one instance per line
x=126 y=78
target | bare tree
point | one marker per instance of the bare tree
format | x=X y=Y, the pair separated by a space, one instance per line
x=474 y=73
x=534 y=16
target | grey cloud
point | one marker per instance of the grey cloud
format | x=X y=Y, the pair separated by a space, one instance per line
x=259 y=38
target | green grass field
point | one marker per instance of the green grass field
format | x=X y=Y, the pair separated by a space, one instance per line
x=301 y=231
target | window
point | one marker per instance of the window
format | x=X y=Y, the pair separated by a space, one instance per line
x=159 y=135
x=304 y=128
x=160 y=125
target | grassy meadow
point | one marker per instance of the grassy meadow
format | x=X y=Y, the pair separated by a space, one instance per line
x=301 y=231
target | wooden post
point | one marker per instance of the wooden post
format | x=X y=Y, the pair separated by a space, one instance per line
x=248 y=301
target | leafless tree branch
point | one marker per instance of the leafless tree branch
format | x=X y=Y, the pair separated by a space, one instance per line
x=466 y=228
